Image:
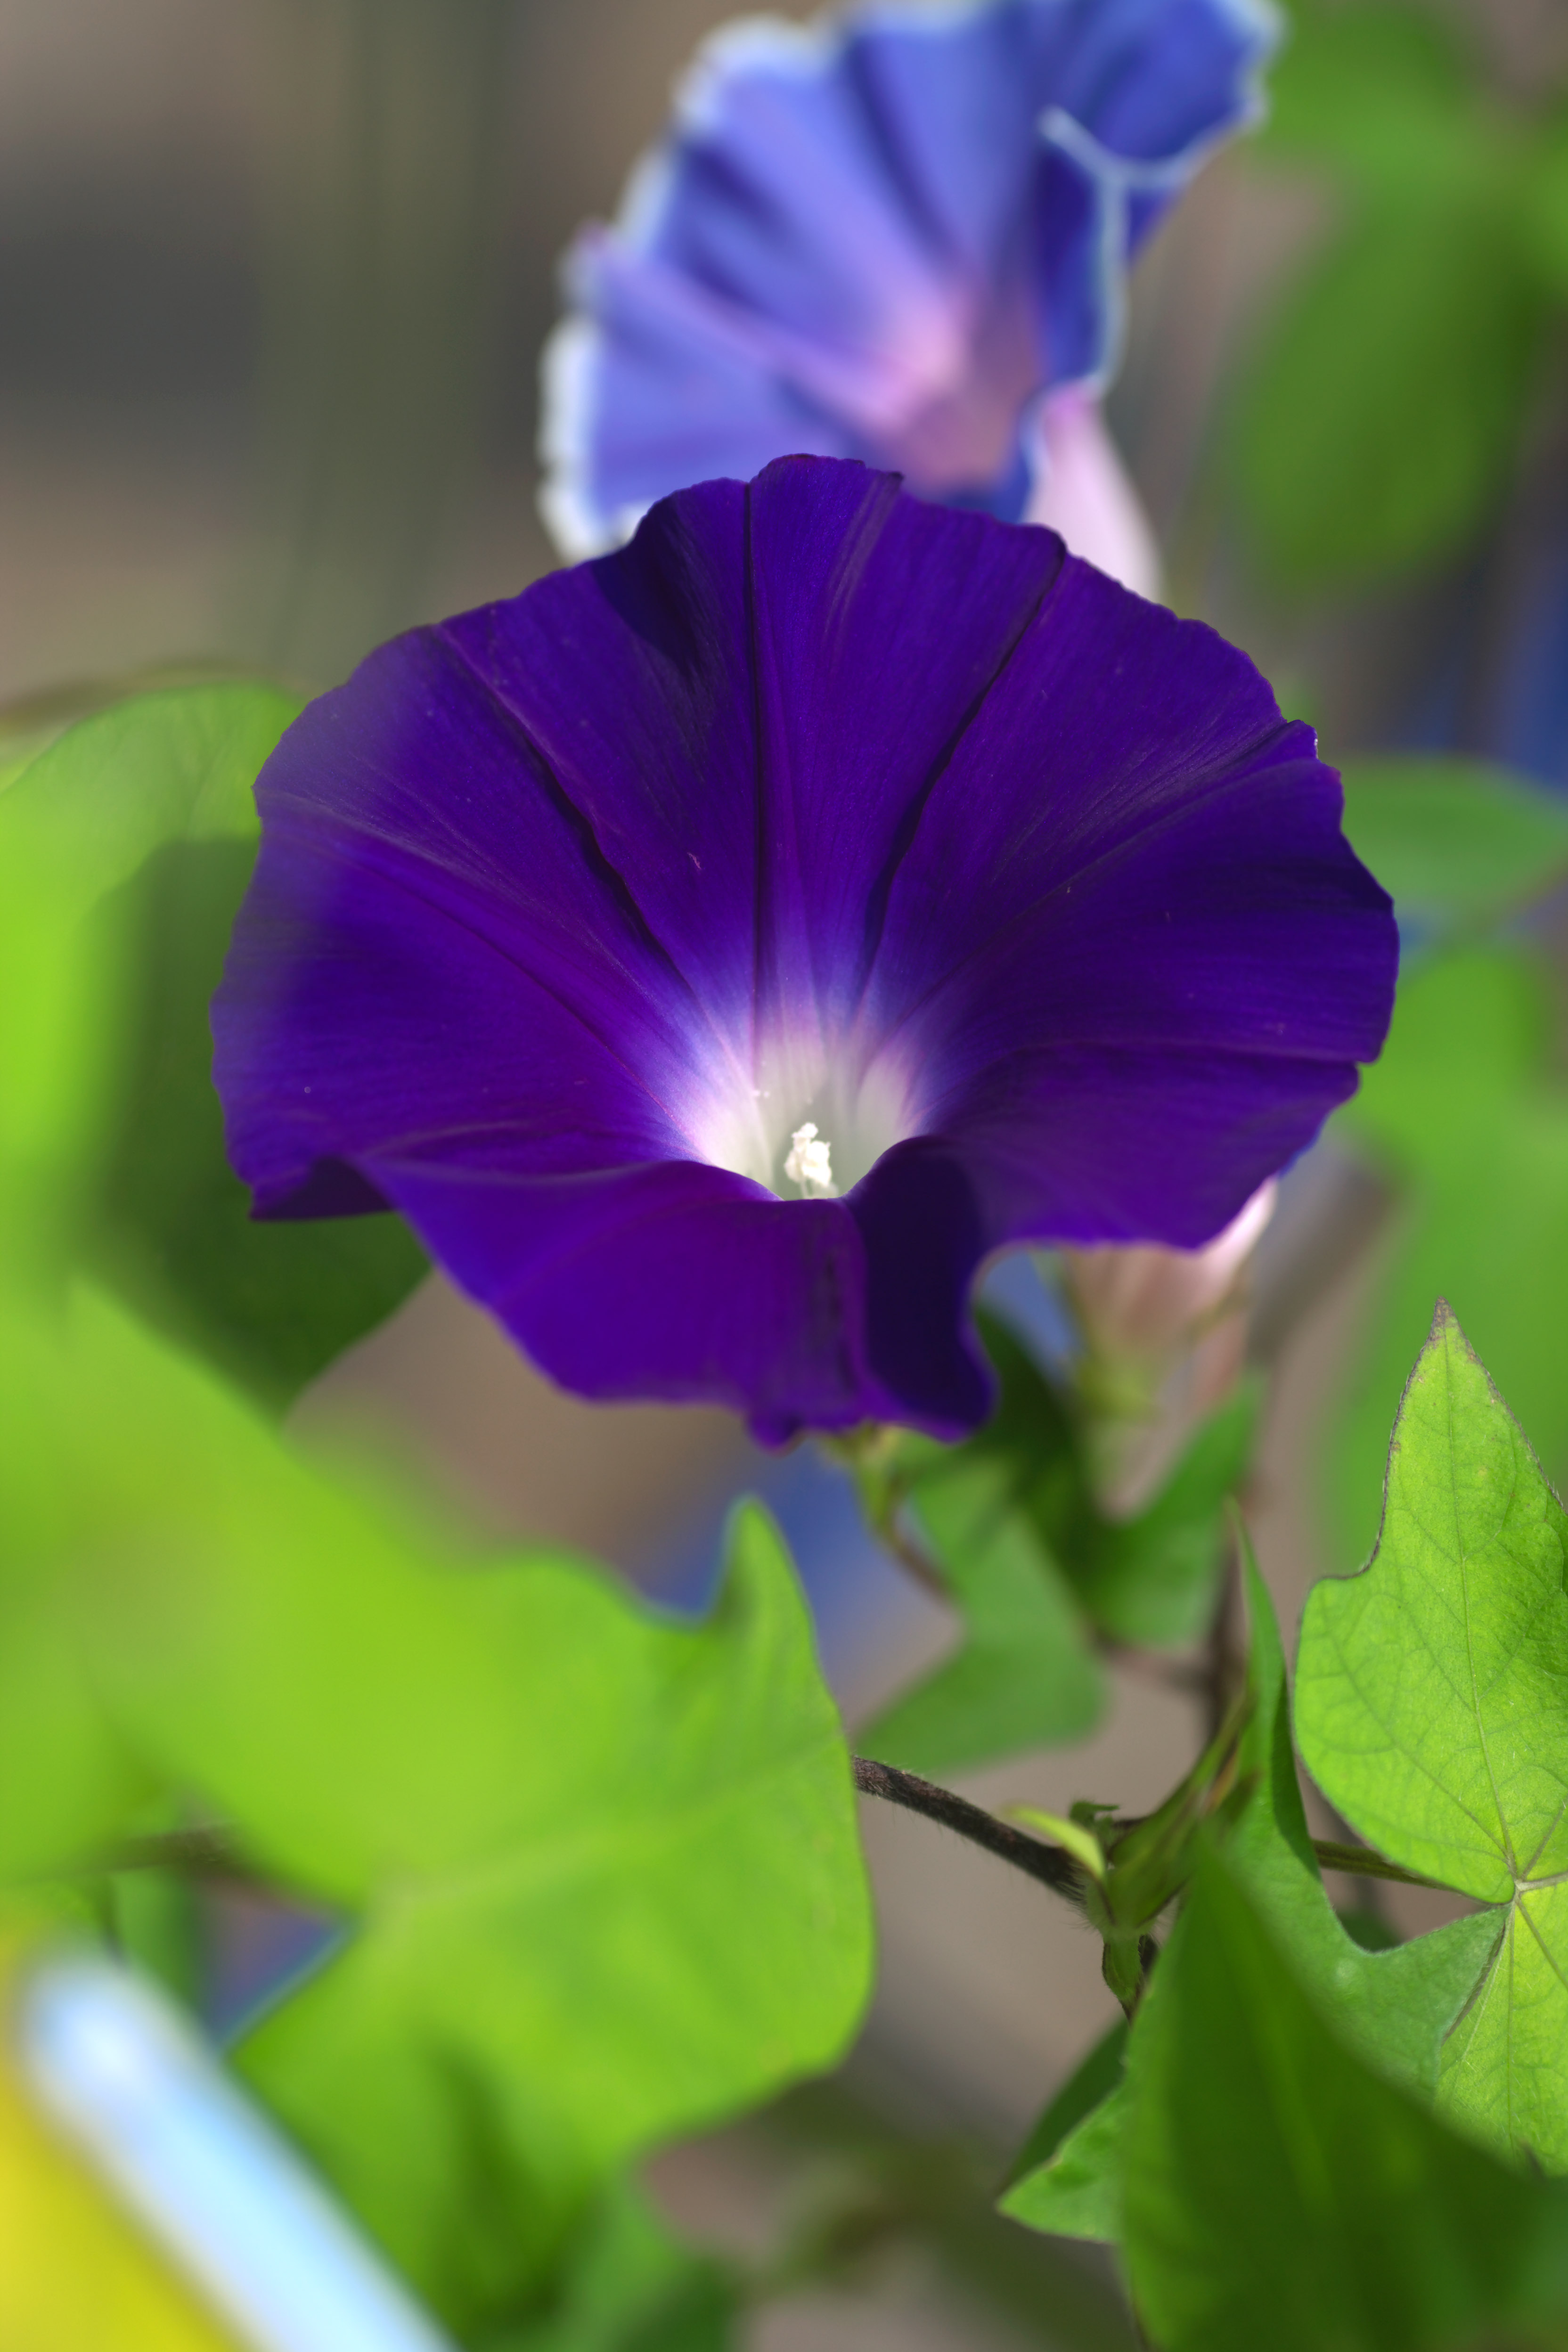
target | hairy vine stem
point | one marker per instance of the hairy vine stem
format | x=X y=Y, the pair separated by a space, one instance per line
x=1047 y=1864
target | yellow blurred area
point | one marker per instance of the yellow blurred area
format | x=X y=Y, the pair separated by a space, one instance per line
x=76 y=2273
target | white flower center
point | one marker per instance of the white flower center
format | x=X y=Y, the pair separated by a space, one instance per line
x=808 y=1164
x=771 y=1118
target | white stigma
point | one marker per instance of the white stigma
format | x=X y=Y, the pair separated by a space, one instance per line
x=809 y=1165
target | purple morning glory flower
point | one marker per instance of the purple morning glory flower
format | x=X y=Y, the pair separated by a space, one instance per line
x=883 y=240
x=719 y=949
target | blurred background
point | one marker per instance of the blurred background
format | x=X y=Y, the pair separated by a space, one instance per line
x=274 y=279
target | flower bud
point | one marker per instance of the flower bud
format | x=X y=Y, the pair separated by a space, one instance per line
x=1165 y=1334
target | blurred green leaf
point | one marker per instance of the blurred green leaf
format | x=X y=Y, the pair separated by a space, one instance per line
x=628 y=2286
x=1034 y=1567
x=1383 y=94
x=18 y=750
x=667 y=1923
x=1465 y=1116
x=178 y=764
x=1456 y=844
x=1023 y=1674
x=1067 y=2177
x=1153 y=1581
x=1547 y=208
x=599 y=1871
x=273 y=1303
x=75 y=826
x=127 y=845
x=30 y=724
x=1381 y=412
x=1432 y=1708
x=69 y=1780
x=1280 y=2192
x=1380 y=417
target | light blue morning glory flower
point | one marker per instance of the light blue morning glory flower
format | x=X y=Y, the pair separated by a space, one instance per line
x=886 y=238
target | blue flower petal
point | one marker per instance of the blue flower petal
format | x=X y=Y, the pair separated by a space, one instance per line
x=882 y=240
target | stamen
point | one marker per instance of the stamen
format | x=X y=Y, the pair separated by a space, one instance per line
x=808 y=1164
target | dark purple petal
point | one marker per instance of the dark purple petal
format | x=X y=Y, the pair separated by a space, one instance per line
x=1129 y=802
x=431 y=948
x=921 y=1221
x=753 y=829
x=816 y=804
x=1079 y=1146
x=666 y=1280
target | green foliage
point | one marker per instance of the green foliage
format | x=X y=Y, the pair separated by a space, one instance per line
x=627 y=2286
x=1037 y=1570
x=1023 y=1674
x=1431 y=1707
x=154 y=1919
x=1279 y=2191
x=1392 y=2005
x=648 y=1912
x=1132 y=1871
x=1456 y=844
x=274 y=1303
x=1374 y=88
x=1152 y=1581
x=1381 y=413
x=127 y=845
x=1465 y=1116
x=70 y=1779
x=599 y=1872
x=1381 y=416
x=1067 y=2177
